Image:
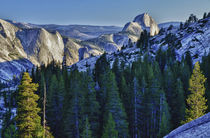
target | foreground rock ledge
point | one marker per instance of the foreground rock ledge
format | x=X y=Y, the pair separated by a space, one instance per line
x=199 y=128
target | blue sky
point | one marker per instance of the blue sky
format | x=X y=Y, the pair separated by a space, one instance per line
x=99 y=12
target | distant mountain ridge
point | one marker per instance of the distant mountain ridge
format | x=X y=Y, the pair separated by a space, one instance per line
x=82 y=32
x=25 y=45
x=194 y=39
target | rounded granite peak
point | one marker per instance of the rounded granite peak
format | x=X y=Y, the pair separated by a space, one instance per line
x=140 y=17
x=145 y=22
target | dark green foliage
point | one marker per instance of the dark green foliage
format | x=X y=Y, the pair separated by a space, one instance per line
x=192 y=19
x=175 y=95
x=143 y=42
x=205 y=67
x=145 y=99
x=188 y=60
x=55 y=96
x=72 y=121
x=102 y=65
x=113 y=104
x=91 y=105
x=110 y=128
x=204 y=15
x=165 y=117
x=9 y=132
x=87 y=133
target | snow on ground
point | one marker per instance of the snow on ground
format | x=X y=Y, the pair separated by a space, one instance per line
x=127 y=55
x=195 y=38
x=13 y=68
x=2 y=104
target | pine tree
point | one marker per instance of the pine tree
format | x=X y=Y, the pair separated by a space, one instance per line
x=116 y=70
x=52 y=105
x=7 y=125
x=73 y=108
x=188 y=60
x=165 y=117
x=125 y=94
x=205 y=67
x=9 y=132
x=91 y=105
x=136 y=101
x=114 y=104
x=178 y=109
x=204 y=15
x=28 y=120
x=163 y=126
x=110 y=129
x=185 y=76
x=87 y=133
x=101 y=66
x=196 y=100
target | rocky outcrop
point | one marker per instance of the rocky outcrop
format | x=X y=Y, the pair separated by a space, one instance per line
x=20 y=49
x=41 y=46
x=10 y=46
x=141 y=22
x=195 y=38
x=199 y=128
x=71 y=51
x=131 y=31
x=34 y=45
x=133 y=28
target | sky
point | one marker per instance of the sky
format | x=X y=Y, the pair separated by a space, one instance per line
x=99 y=12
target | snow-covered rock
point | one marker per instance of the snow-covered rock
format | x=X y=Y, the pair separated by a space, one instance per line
x=194 y=38
x=199 y=128
x=41 y=44
x=131 y=31
x=128 y=56
x=10 y=69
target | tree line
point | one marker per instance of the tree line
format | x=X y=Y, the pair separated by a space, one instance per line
x=149 y=98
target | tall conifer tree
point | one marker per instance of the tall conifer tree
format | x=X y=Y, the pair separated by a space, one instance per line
x=114 y=104
x=87 y=133
x=28 y=120
x=196 y=100
x=109 y=129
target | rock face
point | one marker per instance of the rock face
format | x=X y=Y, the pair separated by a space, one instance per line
x=20 y=49
x=23 y=45
x=199 y=128
x=141 y=22
x=10 y=46
x=133 y=28
x=194 y=39
x=41 y=46
x=131 y=31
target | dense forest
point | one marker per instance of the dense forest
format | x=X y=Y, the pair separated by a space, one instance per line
x=148 y=98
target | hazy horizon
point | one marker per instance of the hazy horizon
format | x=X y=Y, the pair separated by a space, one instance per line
x=100 y=13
